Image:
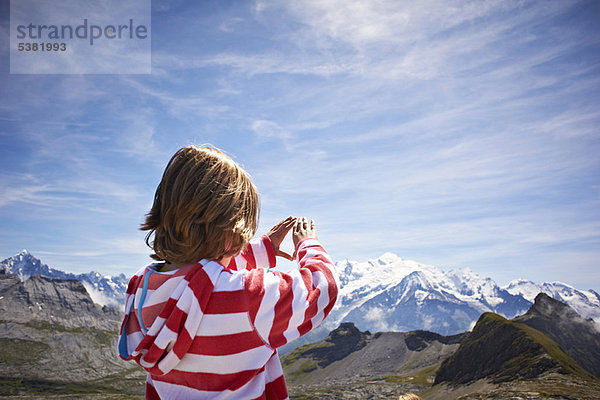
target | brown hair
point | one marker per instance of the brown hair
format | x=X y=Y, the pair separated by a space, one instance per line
x=205 y=207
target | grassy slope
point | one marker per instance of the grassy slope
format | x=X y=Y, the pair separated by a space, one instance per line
x=570 y=380
x=554 y=351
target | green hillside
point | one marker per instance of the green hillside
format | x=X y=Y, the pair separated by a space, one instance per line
x=501 y=350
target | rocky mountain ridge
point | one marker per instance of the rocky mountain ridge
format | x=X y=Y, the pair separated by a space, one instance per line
x=501 y=350
x=104 y=290
x=60 y=302
x=576 y=336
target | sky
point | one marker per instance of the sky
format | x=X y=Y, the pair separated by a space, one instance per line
x=453 y=133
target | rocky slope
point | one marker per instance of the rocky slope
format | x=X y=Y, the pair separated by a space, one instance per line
x=576 y=336
x=57 y=302
x=549 y=337
x=365 y=363
x=53 y=337
x=550 y=386
x=500 y=350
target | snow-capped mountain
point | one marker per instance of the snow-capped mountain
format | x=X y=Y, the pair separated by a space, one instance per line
x=585 y=302
x=386 y=294
x=391 y=293
x=104 y=290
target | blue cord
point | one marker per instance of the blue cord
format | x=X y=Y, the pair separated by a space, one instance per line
x=142 y=299
x=123 y=337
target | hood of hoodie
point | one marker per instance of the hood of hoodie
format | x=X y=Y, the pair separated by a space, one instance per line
x=162 y=313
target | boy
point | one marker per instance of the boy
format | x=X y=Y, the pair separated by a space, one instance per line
x=206 y=319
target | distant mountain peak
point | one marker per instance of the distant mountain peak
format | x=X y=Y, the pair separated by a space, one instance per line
x=392 y=293
x=520 y=280
x=417 y=280
x=463 y=270
x=388 y=258
x=546 y=305
x=104 y=290
x=25 y=255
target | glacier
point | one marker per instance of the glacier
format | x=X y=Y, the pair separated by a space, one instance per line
x=391 y=293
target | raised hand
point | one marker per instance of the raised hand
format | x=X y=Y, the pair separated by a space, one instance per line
x=303 y=230
x=278 y=233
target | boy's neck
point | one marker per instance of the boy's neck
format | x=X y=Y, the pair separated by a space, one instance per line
x=166 y=267
x=225 y=260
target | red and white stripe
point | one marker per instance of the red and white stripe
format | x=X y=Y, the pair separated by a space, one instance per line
x=258 y=253
x=213 y=331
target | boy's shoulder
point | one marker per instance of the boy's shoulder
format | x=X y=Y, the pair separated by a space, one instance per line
x=142 y=271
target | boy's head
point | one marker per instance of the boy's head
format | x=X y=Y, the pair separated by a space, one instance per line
x=205 y=206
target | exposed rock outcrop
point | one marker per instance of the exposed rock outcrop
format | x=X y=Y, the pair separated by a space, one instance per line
x=53 y=302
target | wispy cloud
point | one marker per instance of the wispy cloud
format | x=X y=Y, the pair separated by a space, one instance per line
x=13 y=191
x=77 y=254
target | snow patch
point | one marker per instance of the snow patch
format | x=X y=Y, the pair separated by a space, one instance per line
x=100 y=298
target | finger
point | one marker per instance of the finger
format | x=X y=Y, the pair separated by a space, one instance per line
x=287 y=220
x=284 y=225
x=287 y=226
x=283 y=222
x=312 y=224
x=290 y=221
x=300 y=225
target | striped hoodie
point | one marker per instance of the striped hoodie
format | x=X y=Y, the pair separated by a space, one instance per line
x=209 y=332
